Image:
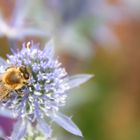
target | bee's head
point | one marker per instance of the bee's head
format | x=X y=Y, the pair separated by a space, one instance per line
x=23 y=69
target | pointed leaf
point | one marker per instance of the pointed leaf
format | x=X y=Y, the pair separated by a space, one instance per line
x=49 y=48
x=19 y=130
x=31 y=31
x=2 y=135
x=3 y=25
x=44 y=127
x=21 y=11
x=78 y=79
x=2 y=61
x=66 y=123
x=6 y=113
x=13 y=46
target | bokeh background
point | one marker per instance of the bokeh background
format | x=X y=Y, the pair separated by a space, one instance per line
x=100 y=37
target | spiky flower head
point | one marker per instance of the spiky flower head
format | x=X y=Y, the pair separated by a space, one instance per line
x=45 y=93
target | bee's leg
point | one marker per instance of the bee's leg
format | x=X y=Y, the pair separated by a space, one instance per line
x=25 y=83
x=6 y=97
x=19 y=92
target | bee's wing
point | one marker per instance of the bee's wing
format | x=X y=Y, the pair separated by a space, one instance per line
x=3 y=91
x=1 y=78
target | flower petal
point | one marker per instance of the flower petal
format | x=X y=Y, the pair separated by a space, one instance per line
x=49 y=49
x=44 y=127
x=19 y=130
x=78 y=79
x=66 y=123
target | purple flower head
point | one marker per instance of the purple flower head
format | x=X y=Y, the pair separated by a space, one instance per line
x=45 y=93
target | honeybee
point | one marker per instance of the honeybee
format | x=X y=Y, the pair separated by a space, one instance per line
x=13 y=79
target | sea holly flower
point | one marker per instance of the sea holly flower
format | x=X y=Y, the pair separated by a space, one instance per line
x=45 y=93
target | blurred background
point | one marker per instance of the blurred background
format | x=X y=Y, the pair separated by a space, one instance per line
x=100 y=37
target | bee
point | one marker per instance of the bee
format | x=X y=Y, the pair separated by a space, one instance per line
x=13 y=79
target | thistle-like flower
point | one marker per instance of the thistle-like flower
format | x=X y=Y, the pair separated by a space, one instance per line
x=45 y=93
